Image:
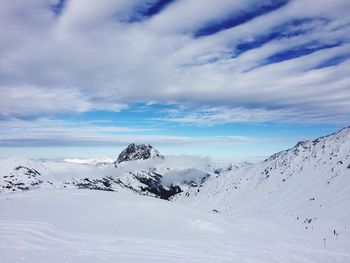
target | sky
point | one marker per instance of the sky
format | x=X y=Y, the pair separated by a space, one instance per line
x=226 y=79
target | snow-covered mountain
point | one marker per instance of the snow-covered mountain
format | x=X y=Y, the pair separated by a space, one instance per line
x=291 y=207
x=300 y=179
x=310 y=180
x=141 y=169
x=21 y=174
x=137 y=152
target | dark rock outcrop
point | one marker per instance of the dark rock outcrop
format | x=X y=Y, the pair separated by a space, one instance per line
x=138 y=152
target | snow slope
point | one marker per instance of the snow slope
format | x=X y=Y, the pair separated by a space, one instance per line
x=21 y=174
x=312 y=178
x=98 y=226
x=308 y=185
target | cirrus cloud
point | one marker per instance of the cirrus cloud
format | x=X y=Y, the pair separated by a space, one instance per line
x=254 y=56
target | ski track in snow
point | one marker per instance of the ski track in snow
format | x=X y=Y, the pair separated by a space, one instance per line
x=198 y=237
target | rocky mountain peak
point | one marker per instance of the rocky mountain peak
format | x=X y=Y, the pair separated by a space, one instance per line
x=138 y=152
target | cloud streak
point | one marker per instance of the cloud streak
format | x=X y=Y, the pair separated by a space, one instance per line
x=48 y=132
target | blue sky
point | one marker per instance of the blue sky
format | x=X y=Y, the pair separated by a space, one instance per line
x=226 y=79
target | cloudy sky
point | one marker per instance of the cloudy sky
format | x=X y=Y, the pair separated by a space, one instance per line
x=228 y=79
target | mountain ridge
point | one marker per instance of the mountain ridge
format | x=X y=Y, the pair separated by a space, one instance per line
x=310 y=180
x=294 y=179
x=136 y=152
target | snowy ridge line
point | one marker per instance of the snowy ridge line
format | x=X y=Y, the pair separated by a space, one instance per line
x=310 y=180
x=141 y=169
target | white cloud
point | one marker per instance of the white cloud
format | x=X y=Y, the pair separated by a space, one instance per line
x=87 y=59
x=55 y=130
x=26 y=100
x=49 y=132
x=208 y=116
x=221 y=115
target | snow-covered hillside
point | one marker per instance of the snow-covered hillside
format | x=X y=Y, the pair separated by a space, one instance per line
x=99 y=226
x=22 y=174
x=309 y=183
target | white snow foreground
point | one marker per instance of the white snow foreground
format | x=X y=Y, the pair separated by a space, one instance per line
x=98 y=226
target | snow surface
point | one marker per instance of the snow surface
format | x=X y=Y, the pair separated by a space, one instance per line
x=97 y=226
